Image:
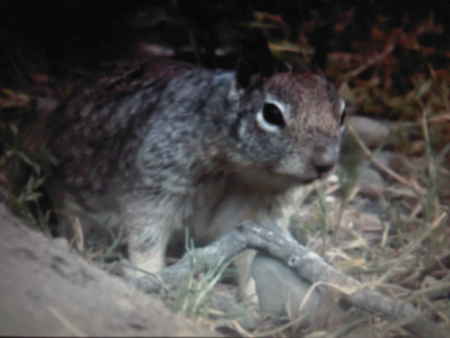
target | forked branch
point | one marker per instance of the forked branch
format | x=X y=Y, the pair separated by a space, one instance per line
x=307 y=264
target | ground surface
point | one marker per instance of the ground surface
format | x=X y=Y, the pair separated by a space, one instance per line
x=47 y=290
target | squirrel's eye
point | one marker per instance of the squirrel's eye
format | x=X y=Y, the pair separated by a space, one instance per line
x=342 y=118
x=272 y=115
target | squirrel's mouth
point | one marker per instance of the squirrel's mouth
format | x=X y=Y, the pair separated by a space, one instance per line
x=300 y=180
x=309 y=177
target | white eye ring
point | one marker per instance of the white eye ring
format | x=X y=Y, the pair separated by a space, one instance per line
x=342 y=105
x=267 y=125
x=263 y=124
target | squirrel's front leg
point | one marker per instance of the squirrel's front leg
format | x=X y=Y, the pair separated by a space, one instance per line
x=150 y=225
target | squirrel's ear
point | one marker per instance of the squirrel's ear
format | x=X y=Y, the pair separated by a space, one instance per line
x=256 y=61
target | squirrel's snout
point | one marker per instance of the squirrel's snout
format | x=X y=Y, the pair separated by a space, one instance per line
x=324 y=159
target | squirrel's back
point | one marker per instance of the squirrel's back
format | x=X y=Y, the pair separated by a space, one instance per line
x=100 y=128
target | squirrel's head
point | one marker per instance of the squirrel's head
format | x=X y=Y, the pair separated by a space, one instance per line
x=287 y=129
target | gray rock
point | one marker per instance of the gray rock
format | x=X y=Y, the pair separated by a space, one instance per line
x=280 y=292
x=370 y=182
x=372 y=132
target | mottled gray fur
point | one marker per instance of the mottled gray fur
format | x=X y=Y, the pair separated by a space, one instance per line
x=164 y=145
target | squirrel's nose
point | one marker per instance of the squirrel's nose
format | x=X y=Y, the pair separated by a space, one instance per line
x=325 y=159
x=322 y=169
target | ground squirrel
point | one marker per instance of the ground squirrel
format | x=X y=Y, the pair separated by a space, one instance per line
x=165 y=144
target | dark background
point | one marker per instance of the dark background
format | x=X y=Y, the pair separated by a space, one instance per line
x=50 y=36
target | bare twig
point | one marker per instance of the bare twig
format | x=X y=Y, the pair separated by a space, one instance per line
x=306 y=264
x=206 y=258
x=312 y=267
x=412 y=184
x=388 y=49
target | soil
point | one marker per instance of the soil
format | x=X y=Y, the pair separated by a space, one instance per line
x=48 y=290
